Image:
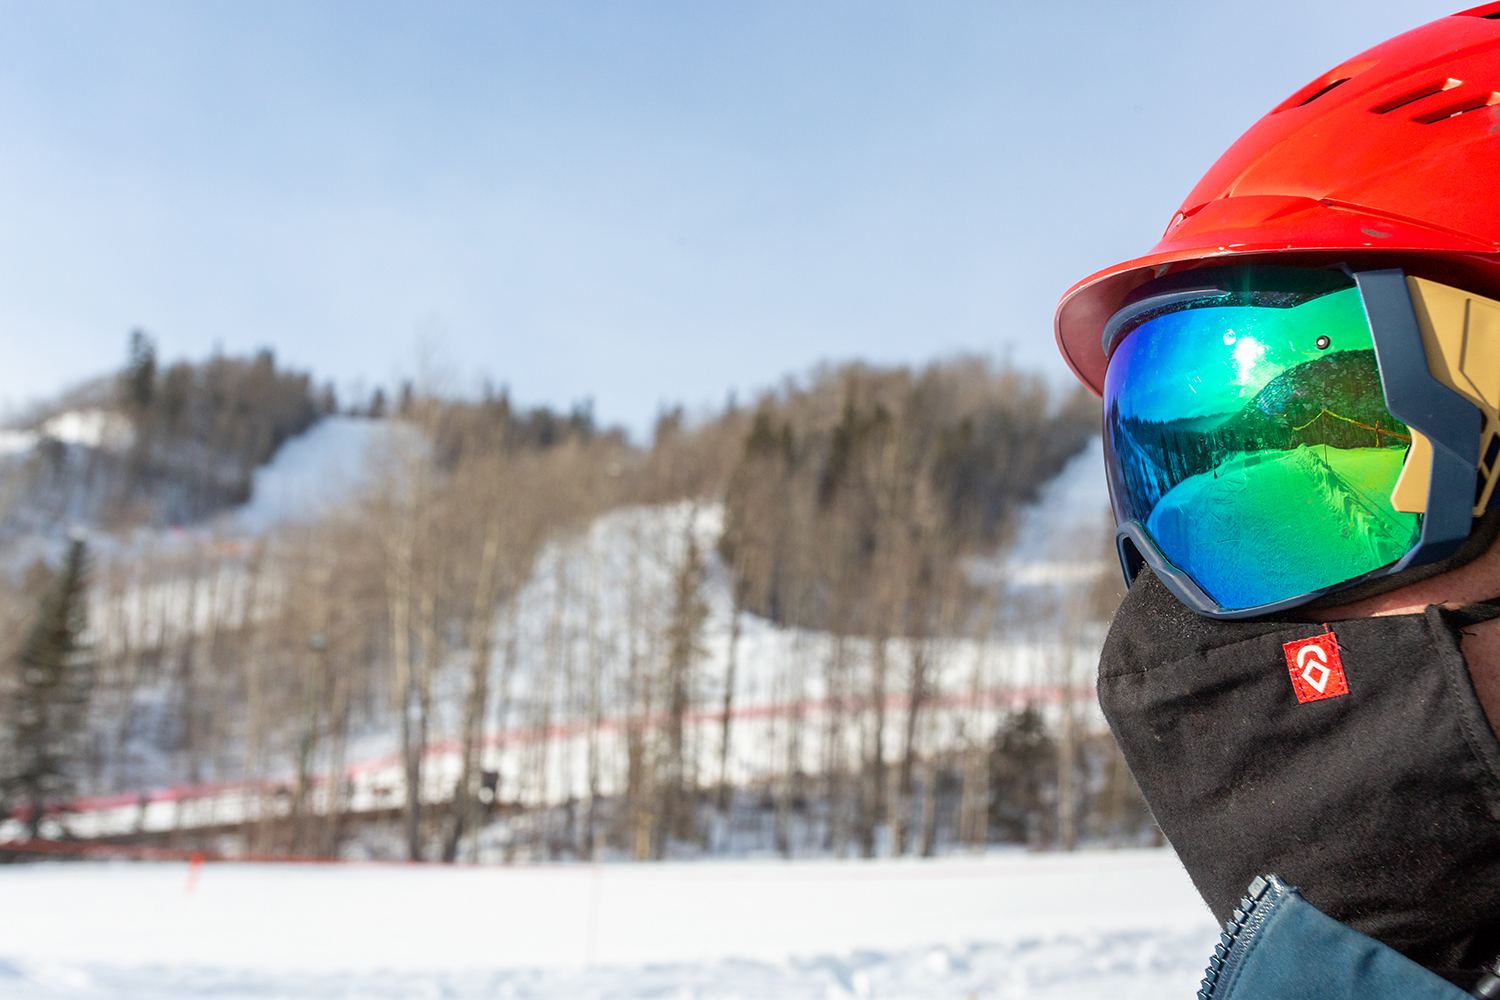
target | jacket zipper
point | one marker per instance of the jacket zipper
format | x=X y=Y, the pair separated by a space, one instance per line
x=1239 y=931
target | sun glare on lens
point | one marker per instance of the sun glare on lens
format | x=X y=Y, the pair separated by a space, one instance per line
x=1247 y=355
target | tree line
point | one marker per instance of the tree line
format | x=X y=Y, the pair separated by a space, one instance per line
x=467 y=597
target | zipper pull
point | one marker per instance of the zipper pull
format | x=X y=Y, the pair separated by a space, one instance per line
x=1488 y=987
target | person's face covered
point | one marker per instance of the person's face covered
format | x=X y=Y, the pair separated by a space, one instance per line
x=1371 y=780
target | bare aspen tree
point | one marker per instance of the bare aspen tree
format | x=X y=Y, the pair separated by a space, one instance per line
x=312 y=655
x=639 y=793
x=844 y=542
x=684 y=647
x=213 y=666
x=876 y=781
x=566 y=839
x=122 y=598
x=404 y=518
x=793 y=785
x=257 y=684
x=974 y=793
x=420 y=704
x=1067 y=746
x=593 y=704
x=488 y=578
x=503 y=711
x=752 y=536
x=543 y=695
x=337 y=657
x=191 y=706
x=916 y=699
x=944 y=627
x=352 y=656
x=834 y=677
x=726 y=709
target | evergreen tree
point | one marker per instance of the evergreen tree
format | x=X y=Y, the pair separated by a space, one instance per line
x=139 y=378
x=49 y=702
x=1023 y=778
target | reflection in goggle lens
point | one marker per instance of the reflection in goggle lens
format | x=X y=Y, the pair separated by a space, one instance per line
x=1248 y=434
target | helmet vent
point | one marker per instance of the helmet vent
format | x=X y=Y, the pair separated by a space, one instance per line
x=1320 y=93
x=1413 y=96
x=1461 y=108
x=1336 y=77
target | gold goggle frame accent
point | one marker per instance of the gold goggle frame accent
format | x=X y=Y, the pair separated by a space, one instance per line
x=1461 y=335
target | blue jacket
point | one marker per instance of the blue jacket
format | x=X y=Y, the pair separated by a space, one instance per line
x=1281 y=947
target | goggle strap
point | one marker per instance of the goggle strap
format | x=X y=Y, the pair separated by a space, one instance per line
x=1473 y=614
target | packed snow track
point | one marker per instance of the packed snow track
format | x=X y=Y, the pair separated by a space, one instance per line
x=1118 y=924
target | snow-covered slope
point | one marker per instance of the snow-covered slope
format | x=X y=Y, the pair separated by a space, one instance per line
x=1125 y=924
x=1059 y=540
x=313 y=473
x=602 y=597
x=308 y=476
x=100 y=429
x=1055 y=537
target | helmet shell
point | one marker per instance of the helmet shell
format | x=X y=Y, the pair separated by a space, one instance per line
x=1389 y=159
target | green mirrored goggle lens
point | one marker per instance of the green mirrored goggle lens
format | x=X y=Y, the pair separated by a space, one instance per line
x=1248 y=434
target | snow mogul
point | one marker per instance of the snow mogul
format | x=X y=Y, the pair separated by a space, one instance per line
x=1301 y=388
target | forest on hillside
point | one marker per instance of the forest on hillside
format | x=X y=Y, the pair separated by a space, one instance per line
x=838 y=513
x=153 y=445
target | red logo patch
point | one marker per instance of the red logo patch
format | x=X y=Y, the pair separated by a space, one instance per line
x=1317 y=672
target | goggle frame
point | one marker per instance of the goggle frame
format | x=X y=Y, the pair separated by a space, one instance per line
x=1438 y=351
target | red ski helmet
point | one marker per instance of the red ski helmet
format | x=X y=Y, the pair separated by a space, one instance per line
x=1391 y=159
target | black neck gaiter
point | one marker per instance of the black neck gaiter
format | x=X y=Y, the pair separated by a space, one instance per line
x=1382 y=804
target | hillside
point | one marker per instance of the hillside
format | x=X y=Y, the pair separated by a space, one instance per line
x=1335 y=400
x=147 y=448
x=748 y=616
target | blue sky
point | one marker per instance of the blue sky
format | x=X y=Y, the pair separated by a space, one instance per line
x=639 y=203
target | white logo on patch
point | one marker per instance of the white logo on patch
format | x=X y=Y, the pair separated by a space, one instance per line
x=1304 y=656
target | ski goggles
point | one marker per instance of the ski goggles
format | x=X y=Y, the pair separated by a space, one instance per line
x=1272 y=435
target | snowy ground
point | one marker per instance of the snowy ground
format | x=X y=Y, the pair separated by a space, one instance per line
x=1117 y=924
